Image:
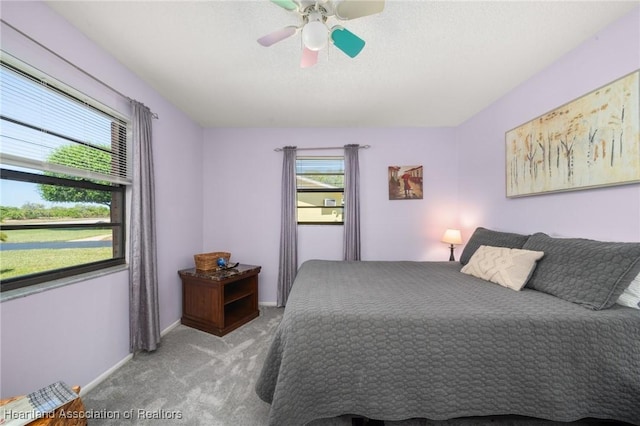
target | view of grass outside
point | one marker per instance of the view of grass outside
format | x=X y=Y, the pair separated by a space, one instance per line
x=53 y=235
x=29 y=251
x=16 y=263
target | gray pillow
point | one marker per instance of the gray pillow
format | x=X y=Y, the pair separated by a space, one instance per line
x=486 y=237
x=588 y=272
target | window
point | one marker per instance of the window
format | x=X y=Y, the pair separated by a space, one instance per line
x=63 y=176
x=320 y=188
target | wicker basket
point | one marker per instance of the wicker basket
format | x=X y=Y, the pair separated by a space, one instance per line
x=209 y=261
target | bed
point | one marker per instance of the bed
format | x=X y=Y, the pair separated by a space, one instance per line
x=400 y=340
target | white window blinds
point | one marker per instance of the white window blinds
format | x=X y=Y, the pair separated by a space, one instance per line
x=48 y=127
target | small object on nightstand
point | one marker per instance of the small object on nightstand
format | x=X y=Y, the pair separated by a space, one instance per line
x=210 y=261
x=222 y=262
x=451 y=237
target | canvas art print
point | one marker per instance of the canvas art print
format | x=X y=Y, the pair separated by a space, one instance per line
x=589 y=142
x=405 y=182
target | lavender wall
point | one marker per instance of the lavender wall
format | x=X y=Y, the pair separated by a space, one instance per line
x=76 y=333
x=611 y=213
x=242 y=195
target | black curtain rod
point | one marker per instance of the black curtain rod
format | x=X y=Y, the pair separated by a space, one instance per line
x=324 y=147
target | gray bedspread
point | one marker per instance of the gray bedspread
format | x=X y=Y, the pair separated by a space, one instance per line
x=398 y=340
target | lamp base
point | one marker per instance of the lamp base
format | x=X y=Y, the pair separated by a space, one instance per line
x=451 y=257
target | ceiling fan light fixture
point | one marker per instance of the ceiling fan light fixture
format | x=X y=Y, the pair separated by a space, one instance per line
x=315 y=35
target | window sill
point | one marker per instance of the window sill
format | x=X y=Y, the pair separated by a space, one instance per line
x=320 y=223
x=49 y=285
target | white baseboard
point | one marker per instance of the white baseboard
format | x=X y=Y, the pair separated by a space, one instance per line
x=268 y=304
x=168 y=329
x=86 y=388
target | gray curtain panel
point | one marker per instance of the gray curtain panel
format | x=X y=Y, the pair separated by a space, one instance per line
x=288 y=227
x=351 y=242
x=144 y=318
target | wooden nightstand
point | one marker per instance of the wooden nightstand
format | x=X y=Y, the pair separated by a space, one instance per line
x=219 y=301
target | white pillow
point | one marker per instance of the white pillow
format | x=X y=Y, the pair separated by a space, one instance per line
x=508 y=267
x=631 y=295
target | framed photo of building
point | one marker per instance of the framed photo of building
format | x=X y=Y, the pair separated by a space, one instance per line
x=405 y=182
x=589 y=142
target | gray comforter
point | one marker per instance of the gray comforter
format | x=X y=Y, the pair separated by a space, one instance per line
x=397 y=340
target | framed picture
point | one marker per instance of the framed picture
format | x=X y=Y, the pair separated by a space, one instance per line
x=589 y=142
x=405 y=182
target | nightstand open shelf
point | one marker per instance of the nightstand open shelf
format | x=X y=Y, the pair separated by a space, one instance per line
x=218 y=302
x=239 y=290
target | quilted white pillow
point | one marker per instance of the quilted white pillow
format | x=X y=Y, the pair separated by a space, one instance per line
x=631 y=295
x=508 y=267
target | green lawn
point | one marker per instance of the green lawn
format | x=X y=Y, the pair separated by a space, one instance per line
x=14 y=263
x=47 y=235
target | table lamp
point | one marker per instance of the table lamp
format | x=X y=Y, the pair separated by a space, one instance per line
x=452 y=237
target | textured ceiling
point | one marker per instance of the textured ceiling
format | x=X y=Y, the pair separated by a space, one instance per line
x=426 y=63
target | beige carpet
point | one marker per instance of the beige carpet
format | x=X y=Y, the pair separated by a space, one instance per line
x=195 y=378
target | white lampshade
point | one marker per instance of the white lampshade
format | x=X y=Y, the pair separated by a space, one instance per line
x=315 y=35
x=452 y=236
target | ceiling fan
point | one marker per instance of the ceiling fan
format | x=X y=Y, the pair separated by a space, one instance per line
x=316 y=35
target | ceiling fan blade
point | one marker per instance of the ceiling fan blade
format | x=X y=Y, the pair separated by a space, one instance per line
x=347 y=41
x=286 y=4
x=309 y=58
x=277 y=36
x=352 y=9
